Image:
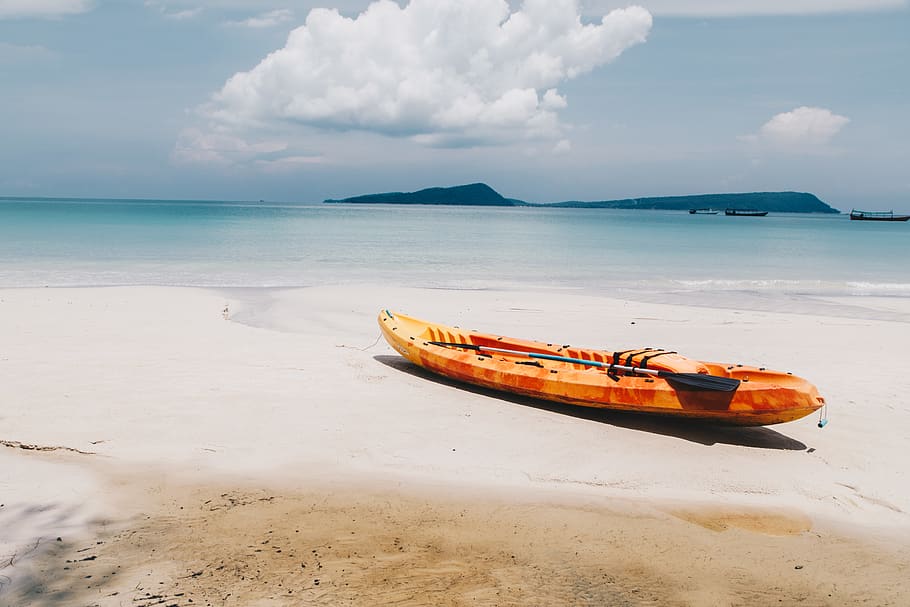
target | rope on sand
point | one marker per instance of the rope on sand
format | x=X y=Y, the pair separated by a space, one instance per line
x=378 y=337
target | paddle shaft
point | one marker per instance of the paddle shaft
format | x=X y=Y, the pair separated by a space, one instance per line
x=565 y=359
x=680 y=381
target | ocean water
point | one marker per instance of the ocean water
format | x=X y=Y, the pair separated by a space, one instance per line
x=229 y=244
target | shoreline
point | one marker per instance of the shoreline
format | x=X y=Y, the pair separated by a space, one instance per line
x=291 y=395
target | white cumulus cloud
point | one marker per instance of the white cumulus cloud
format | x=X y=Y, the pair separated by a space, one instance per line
x=268 y=19
x=12 y=9
x=183 y=15
x=220 y=148
x=802 y=127
x=174 y=13
x=443 y=72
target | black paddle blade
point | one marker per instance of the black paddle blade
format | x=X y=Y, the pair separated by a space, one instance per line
x=698 y=381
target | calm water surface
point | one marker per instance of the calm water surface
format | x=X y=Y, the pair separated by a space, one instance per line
x=65 y=243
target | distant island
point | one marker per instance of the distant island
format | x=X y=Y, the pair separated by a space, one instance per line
x=480 y=194
x=474 y=194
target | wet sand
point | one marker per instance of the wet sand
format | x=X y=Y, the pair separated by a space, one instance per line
x=412 y=545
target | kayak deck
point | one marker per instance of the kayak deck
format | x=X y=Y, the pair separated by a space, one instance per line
x=763 y=396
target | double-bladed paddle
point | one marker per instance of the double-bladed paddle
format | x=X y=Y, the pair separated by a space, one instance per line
x=679 y=381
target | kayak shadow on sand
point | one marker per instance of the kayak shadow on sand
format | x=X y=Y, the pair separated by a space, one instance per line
x=704 y=433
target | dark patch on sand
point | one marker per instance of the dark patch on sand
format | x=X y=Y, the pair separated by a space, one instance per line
x=243 y=547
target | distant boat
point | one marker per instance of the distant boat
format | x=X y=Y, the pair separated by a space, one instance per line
x=877 y=216
x=703 y=211
x=745 y=212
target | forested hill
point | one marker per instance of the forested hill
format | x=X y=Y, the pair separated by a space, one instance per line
x=777 y=202
x=480 y=194
x=475 y=194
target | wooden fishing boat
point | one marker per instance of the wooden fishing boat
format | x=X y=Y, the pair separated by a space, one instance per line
x=876 y=216
x=703 y=211
x=745 y=212
x=643 y=380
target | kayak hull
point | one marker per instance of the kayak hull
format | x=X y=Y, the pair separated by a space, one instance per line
x=762 y=398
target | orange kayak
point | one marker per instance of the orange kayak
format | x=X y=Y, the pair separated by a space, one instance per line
x=642 y=380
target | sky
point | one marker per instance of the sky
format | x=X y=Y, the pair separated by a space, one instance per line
x=544 y=100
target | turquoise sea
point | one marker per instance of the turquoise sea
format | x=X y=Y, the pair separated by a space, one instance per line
x=47 y=242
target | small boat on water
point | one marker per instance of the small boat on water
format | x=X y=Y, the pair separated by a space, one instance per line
x=876 y=216
x=745 y=212
x=703 y=211
x=643 y=380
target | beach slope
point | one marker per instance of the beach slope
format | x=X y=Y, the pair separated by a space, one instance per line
x=265 y=447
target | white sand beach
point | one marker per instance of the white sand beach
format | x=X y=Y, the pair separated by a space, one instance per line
x=184 y=446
